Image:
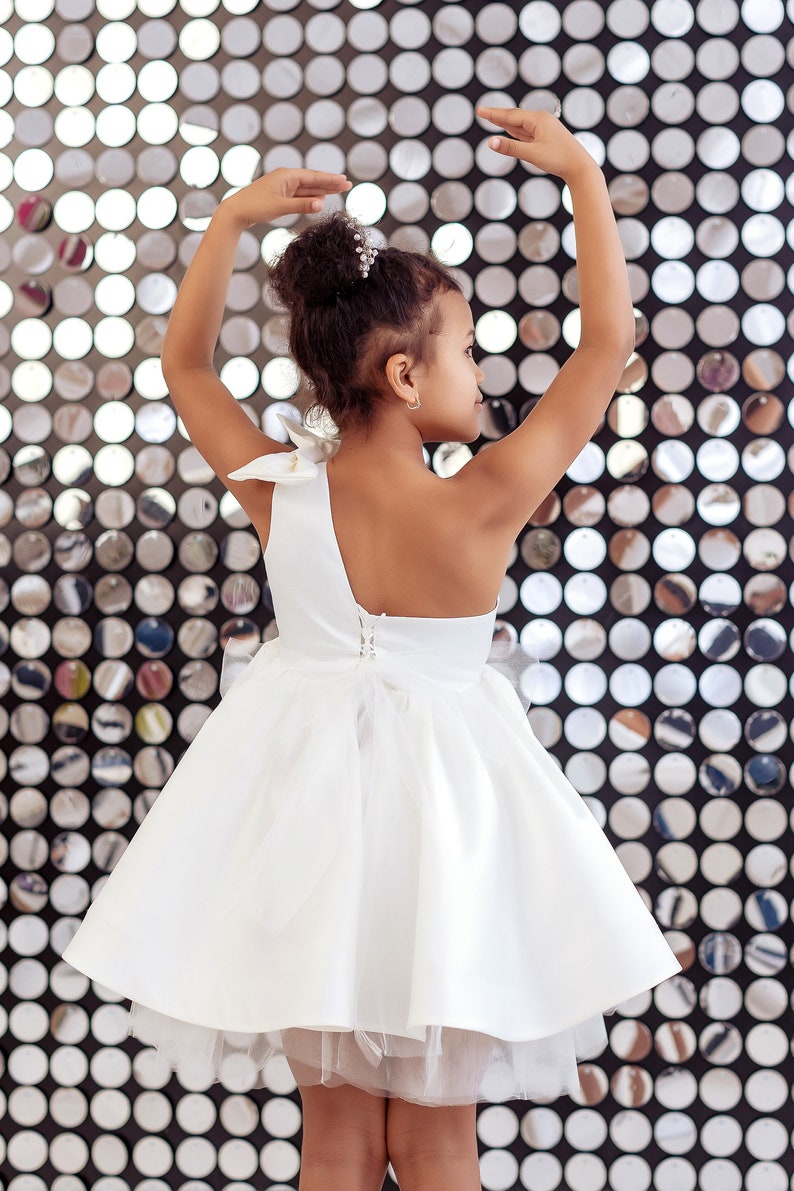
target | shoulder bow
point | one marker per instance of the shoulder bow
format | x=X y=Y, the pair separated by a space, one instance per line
x=289 y=467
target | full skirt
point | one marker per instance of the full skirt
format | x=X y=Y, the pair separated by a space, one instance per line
x=395 y=888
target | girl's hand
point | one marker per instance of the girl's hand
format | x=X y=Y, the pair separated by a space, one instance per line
x=283 y=191
x=540 y=139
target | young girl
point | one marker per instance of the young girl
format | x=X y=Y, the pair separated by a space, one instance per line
x=365 y=861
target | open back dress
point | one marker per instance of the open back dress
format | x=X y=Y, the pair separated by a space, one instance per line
x=366 y=861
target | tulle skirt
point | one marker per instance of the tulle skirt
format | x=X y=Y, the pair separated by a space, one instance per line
x=449 y=1066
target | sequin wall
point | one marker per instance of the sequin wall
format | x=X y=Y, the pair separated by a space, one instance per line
x=653 y=583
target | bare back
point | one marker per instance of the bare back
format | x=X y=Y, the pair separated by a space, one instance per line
x=408 y=545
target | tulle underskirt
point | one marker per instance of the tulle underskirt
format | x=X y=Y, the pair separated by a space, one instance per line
x=450 y=1066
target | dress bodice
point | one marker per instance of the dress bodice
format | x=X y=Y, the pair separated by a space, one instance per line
x=322 y=628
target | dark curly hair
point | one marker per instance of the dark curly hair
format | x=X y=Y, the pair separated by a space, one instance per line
x=344 y=326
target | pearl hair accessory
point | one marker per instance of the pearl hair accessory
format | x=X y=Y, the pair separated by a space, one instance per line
x=366 y=256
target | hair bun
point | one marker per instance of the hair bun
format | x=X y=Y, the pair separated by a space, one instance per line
x=351 y=305
x=321 y=263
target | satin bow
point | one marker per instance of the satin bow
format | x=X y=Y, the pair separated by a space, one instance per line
x=289 y=467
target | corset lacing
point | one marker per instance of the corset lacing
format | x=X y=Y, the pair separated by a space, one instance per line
x=367 y=623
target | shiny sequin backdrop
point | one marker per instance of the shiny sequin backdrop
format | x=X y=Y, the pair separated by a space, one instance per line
x=653 y=583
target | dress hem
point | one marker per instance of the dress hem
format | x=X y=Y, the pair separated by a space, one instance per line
x=603 y=1004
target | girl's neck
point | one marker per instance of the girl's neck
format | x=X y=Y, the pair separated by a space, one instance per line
x=391 y=439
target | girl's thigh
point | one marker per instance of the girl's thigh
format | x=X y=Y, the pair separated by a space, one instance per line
x=418 y=1130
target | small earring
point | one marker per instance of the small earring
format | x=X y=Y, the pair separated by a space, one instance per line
x=416 y=405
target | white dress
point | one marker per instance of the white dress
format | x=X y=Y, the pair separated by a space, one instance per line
x=366 y=861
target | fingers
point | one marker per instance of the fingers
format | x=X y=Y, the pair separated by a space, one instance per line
x=323 y=183
x=506 y=117
x=315 y=191
x=504 y=145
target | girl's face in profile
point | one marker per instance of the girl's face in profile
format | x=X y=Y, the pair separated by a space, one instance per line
x=449 y=387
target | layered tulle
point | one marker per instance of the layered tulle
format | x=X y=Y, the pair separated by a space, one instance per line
x=448 y=1066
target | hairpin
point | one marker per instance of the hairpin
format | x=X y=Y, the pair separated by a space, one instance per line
x=366 y=256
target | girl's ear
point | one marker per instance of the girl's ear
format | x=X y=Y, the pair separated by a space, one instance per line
x=400 y=377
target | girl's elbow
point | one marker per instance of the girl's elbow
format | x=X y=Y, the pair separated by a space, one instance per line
x=627 y=346
x=171 y=366
x=622 y=339
x=611 y=347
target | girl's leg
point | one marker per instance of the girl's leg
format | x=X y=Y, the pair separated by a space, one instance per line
x=433 y=1149
x=344 y=1138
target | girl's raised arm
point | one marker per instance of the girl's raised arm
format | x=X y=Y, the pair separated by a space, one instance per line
x=218 y=426
x=507 y=481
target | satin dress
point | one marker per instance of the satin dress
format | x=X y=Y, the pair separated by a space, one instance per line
x=365 y=861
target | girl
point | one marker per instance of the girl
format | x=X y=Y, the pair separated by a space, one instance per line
x=402 y=892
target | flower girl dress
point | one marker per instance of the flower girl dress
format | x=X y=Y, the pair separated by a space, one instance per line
x=366 y=861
